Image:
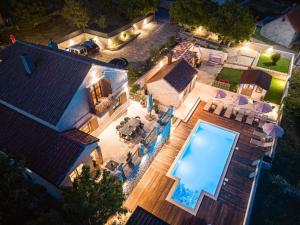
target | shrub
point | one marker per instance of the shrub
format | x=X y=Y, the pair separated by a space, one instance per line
x=134 y=88
x=102 y=22
x=275 y=58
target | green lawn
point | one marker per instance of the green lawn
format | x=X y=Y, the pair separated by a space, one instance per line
x=266 y=62
x=232 y=75
x=276 y=90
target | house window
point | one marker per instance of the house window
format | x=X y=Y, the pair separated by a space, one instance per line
x=120 y=101
x=94 y=158
x=90 y=126
x=259 y=89
x=95 y=91
x=87 y=128
x=76 y=172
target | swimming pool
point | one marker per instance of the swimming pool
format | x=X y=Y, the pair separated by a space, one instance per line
x=201 y=164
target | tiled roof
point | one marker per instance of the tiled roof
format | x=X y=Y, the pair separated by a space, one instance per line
x=80 y=137
x=294 y=18
x=48 y=153
x=257 y=77
x=178 y=74
x=142 y=217
x=48 y=91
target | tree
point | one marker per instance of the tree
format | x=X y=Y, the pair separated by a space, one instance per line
x=20 y=200
x=230 y=20
x=28 y=12
x=92 y=201
x=233 y=22
x=275 y=58
x=102 y=22
x=193 y=12
x=135 y=8
x=76 y=13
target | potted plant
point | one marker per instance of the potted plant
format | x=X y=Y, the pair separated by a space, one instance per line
x=129 y=160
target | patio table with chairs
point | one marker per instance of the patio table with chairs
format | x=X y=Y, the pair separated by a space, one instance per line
x=129 y=128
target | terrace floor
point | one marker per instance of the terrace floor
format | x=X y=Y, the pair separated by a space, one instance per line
x=112 y=146
x=229 y=208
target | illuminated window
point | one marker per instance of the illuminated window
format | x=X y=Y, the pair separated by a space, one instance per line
x=95 y=91
x=76 y=172
x=87 y=128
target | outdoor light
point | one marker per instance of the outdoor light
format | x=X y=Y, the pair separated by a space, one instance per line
x=161 y=64
x=94 y=77
x=145 y=23
x=109 y=41
x=96 y=39
x=71 y=42
x=270 y=50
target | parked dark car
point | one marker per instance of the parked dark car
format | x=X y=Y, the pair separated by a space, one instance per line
x=91 y=47
x=120 y=63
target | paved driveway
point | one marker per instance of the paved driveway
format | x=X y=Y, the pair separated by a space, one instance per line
x=137 y=51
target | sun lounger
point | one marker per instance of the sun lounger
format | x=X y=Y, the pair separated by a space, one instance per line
x=262 y=121
x=250 y=118
x=220 y=107
x=259 y=134
x=228 y=112
x=208 y=105
x=261 y=143
x=240 y=115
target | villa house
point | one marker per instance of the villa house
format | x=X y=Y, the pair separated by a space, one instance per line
x=254 y=83
x=172 y=83
x=284 y=30
x=58 y=89
x=50 y=99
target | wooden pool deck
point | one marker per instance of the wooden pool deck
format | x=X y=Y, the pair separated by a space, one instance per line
x=229 y=208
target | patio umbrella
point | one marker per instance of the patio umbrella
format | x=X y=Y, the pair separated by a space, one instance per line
x=220 y=94
x=240 y=100
x=263 y=107
x=149 y=103
x=273 y=130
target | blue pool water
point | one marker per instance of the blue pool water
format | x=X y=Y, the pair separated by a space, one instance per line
x=201 y=163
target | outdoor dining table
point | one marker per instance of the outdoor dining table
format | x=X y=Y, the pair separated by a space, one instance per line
x=129 y=126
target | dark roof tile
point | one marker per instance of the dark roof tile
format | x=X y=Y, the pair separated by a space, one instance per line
x=178 y=74
x=48 y=153
x=48 y=91
x=257 y=77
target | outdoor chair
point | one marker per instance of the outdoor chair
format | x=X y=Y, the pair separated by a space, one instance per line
x=250 y=118
x=261 y=143
x=228 y=112
x=262 y=121
x=240 y=115
x=219 y=109
x=137 y=117
x=126 y=119
x=122 y=123
x=259 y=134
x=208 y=105
x=118 y=127
x=264 y=137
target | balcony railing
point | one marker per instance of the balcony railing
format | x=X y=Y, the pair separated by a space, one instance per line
x=106 y=104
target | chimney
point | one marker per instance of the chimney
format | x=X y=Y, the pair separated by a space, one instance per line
x=170 y=55
x=27 y=63
x=52 y=45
